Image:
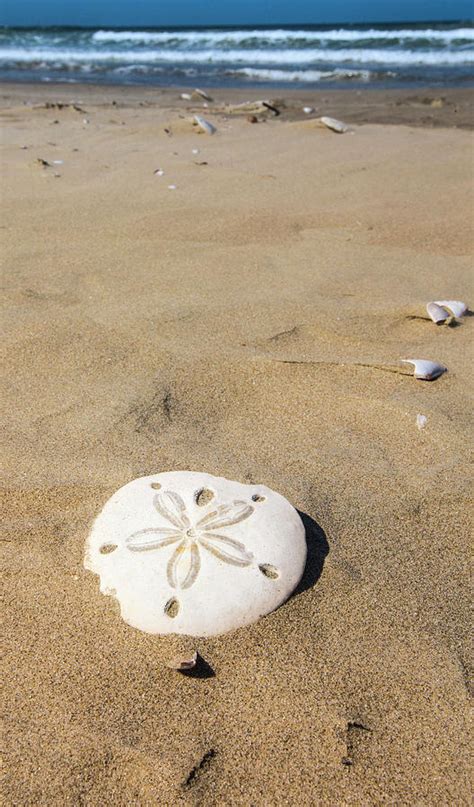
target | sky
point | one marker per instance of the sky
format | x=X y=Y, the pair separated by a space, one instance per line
x=226 y=12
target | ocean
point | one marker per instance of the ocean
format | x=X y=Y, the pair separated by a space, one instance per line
x=298 y=56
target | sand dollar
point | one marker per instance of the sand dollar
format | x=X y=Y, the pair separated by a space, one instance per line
x=195 y=554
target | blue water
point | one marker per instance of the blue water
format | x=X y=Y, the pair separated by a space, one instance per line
x=301 y=56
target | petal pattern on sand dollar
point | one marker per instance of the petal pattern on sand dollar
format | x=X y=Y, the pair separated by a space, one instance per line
x=226 y=549
x=185 y=562
x=172 y=507
x=183 y=565
x=152 y=538
x=225 y=516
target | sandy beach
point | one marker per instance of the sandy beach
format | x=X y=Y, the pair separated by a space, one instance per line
x=247 y=321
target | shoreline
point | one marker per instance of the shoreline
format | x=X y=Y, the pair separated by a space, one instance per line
x=429 y=107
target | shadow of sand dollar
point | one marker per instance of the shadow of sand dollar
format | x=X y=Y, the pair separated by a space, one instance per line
x=317 y=548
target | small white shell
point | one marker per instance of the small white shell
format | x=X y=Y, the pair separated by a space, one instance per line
x=158 y=172
x=334 y=124
x=207 y=127
x=171 y=187
x=182 y=663
x=436 y=312
x=425 y=369
x=307 y=110
x=421 y=421
x=185 y=96
x=457 y=308
x=202 y=94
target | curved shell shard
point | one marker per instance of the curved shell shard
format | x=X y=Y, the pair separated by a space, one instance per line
x=205 y=125
x=457 y=308
x=437 y=312
x=426 y=370
x=335 y=125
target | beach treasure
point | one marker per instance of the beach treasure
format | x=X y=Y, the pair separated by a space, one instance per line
x=334 y=124
x=457 y=308
x=437 y=313
x=426 y=370
x=202 y=94
x=204 y=124
x=194 y=554
x=421 y=421
x=183 y=663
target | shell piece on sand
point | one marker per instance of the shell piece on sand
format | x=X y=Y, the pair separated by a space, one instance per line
x=437 y=313
x=425 y=369
x=183 y=663
x=308 y=110
x=457 y=308
x=204 y=124
x=195 y=554
x=202 y=94
x=421 y=421
x=336 y=125
x=185 y=96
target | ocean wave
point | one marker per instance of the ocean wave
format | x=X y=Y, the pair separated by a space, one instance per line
x=273 y=58
x=301 y=75
x=284 y=36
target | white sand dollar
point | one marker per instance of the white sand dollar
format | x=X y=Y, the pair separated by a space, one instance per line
x=195 y=554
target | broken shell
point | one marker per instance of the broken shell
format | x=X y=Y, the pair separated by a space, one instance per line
x=158 y=172
x=307 y=110
x=182 y=663
x=185 y=96
x=426 y=370
x=202 y=94
x=334 y=124
x=207 y=127
x=457 y=308
x=421 y=421
x=171 y=187
x=437 y=313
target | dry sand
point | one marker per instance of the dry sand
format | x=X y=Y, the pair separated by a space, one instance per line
x=246 y=324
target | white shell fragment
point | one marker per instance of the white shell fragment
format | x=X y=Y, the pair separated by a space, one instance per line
x=421 y=421
x=437 y=313
x=185 y=96
x=195 y=554
x=426 y=370
x=204 y=124
x=183 y=663
x=334 y=124
x=457 y=308
x=308 y=110
x=202 y=94
x=158 y=172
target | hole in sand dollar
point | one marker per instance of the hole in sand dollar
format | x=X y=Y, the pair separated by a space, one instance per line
x=269 y=571
x=155 y=486
x=106 y=549
x=172 y=607
x=257 y=498
x=204 y=496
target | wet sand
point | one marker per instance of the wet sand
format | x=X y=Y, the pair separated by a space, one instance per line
x=248 y=323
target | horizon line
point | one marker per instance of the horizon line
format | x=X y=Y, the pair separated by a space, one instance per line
x=124 y=27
